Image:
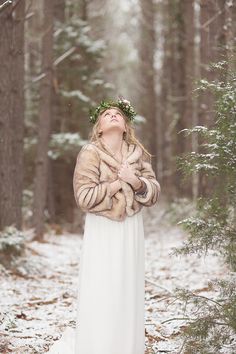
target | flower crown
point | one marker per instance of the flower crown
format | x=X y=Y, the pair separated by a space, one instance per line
x=122 y=104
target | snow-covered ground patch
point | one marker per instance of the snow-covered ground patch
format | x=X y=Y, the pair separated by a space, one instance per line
x=39 y=301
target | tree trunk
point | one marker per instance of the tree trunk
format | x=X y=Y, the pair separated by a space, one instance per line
x=176 y=87
x=41 y=175
x=176 y=102
x=182 y=29
x=189 y=63
x=11 y=114
x=147 y=76
x=57 y=118
x=195 y=102
x=164 y=106
x=59 y=10
x=231 y=33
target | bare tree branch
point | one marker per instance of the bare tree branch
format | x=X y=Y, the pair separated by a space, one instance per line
x=16 y=3
x=5 y=5
x=212 y=19
x=56 y=62
x=64 y=56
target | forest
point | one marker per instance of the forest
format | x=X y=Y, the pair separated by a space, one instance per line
x=175 y=61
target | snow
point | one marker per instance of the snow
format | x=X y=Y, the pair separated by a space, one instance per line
x=78 y=94
x=38 y=301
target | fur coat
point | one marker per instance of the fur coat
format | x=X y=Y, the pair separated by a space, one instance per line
x=96 y=168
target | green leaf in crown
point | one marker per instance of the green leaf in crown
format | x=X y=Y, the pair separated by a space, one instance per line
x=121 y=103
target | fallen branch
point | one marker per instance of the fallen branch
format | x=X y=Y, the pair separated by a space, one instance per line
x=42 y=302
x=162 y=297
x=158 y=286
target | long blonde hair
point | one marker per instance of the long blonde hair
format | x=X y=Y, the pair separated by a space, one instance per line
x=129 y=135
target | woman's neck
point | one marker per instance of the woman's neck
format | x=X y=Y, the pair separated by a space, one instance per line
x=114 y=141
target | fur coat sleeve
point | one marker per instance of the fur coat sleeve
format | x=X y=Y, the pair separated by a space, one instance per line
x=90 y=194
x=153 y=189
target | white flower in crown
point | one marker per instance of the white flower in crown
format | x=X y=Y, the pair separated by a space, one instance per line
x=126 y=101
x=122 y=99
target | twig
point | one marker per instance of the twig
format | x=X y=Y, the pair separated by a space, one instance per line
x=208 y=299
x=162 y=298
x=39 y=77
x=175 y=319
x=202 y=297
x=159 y=286
x=55 y=63
x=27 y=13
x=42 y=302
x=213 y=18
x=29 y=7
x=64 y=56
x=187 y=318
x=5 y=4
x=15 y=5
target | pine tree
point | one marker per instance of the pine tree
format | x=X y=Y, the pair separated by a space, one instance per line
x=213 y=328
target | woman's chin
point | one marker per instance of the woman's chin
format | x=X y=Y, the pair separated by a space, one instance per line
x=113 y=128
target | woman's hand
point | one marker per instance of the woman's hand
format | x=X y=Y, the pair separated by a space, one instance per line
x=126 y=173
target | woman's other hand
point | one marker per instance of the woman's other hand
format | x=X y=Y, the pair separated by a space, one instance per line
x=126 y=172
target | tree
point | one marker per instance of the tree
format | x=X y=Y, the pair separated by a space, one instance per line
x=212 y=49
x=11 y=113
x=176 y=103
x=147 y=90
x=41 y=175
x=213 y=227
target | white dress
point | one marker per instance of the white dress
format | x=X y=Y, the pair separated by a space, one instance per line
x=110 y=318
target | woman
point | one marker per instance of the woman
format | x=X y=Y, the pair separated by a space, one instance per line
x=113 y=179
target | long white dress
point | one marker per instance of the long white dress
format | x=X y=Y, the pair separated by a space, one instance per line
x=110 y=318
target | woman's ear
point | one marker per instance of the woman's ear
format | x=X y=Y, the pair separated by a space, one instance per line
x=100 y=132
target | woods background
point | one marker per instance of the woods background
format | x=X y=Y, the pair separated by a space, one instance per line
x=59 y=57
x=175 y=61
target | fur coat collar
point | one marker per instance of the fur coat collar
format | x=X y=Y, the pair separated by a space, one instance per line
x=130 y=153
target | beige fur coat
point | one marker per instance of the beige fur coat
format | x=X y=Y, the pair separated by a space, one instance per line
x=96 y=168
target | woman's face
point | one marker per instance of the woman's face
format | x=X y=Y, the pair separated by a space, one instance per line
x=112 y=119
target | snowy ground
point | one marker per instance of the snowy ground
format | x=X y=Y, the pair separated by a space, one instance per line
x=39 y=302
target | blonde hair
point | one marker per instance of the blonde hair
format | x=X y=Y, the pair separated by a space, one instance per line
x=129 y=135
